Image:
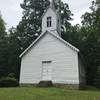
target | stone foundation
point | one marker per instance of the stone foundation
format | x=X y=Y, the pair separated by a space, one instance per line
x=70 y=86
x=27 y=85
x=49 y=84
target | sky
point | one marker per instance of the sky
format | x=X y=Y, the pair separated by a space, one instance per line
x=12 y=13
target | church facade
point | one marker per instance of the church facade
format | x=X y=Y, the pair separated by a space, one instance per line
x=50 y=58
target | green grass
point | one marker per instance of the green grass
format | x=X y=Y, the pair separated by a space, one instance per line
x=32 y=93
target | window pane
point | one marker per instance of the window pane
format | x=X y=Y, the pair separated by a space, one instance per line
x=48 y=21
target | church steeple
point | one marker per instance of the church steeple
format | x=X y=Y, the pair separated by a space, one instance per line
x=51 y=20
x=52 y=4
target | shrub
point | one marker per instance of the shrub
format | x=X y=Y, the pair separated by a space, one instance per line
x=97 y=82
x=97 y=79
x=12 y=75
x=8 y=82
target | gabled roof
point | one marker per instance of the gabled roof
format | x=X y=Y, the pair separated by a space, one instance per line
x=53 y=9
x=59 y=38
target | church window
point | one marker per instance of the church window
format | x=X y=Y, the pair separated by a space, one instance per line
x=49 y=22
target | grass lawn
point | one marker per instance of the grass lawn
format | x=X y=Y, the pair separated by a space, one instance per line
x=32 y=93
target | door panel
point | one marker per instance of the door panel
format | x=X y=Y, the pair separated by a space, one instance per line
x=47 y=71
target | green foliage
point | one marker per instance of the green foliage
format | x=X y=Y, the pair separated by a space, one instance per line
x=87 y=39
x=9 y=81
x=3 y=48
x=2 y=28
x=65 y=13
x=9 y=55
x=98 y=3
x=73 y=35
x=30 y=26
x=11 y=75
x=97 y=79
x=91 y=26
x=12 y=44
x=14 y=50
x=98 y=71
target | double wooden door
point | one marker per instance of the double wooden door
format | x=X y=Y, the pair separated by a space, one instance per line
x=46 y=70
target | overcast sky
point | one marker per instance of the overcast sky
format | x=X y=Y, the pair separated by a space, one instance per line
x=12 y=12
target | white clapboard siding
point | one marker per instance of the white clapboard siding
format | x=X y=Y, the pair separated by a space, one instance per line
x=48 y=48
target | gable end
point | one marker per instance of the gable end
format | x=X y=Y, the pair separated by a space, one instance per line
x=63 y=41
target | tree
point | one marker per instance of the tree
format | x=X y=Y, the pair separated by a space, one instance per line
x=13 y=53
x=91 y=41
x=2 y=27
x=30 y=26
x=9 y=51
x=12 y=44
x=65 y=13
x=98 y=3
x=3 y=49
x=87 y=39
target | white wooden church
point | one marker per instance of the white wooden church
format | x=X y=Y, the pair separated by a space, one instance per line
x=50 y=58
